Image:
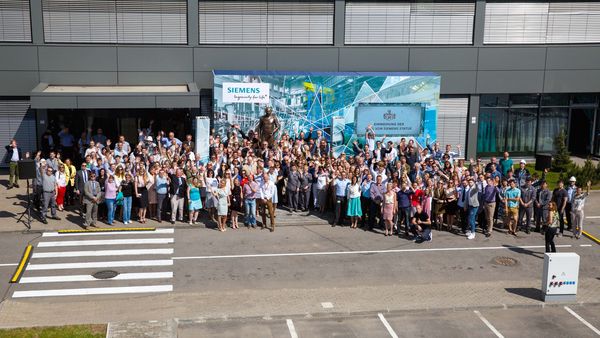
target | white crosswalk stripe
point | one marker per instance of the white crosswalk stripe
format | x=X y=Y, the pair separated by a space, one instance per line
x=142 y=260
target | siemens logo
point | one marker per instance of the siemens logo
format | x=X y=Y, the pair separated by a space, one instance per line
x=236 y=90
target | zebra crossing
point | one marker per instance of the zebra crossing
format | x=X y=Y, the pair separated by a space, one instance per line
x=70 y=264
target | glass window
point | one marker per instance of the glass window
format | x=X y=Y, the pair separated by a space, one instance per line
x=525 y=99
x=520 y=132
x=555 y=100
x=491 y=134
x=15 y=25
x=552 y=120
x=584 y=98
x=494 y=100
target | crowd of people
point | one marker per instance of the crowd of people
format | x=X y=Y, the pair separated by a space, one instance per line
x=396 y=188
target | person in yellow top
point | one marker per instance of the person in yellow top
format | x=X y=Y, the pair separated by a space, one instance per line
x=70 y=172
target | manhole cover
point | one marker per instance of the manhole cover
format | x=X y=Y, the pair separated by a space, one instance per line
x=505 y=261
x=106 y=274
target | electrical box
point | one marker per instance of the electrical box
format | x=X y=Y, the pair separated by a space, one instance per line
x=561 y=276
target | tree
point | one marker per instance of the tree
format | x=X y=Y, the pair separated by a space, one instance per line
x=562 y=158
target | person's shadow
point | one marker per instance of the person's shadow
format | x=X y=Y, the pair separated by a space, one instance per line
x=524 y=251
x=77 y=220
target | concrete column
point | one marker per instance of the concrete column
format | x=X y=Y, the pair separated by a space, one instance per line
x=37 y=24
x=192 y=26
x=472 y=127
x=479 y=23
x=339 y=23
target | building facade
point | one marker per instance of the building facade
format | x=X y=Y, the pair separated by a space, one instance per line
x=514 y=73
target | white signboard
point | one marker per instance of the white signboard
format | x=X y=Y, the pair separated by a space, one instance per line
x=390 y=119
x=246 y=93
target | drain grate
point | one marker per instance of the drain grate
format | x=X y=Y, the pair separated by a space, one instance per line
x=105 y=274
x=505 y=261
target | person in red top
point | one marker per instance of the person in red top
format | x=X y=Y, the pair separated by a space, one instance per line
x=417 y=197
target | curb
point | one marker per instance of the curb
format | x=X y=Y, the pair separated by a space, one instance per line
x=588 y=235
x=22 y=265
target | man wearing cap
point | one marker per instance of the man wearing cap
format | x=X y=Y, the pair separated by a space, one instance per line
x=522 y=174
x=571 y=191
x=526 y=204
x=512 y=198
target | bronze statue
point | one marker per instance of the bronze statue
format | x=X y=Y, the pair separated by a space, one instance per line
x=268 y=125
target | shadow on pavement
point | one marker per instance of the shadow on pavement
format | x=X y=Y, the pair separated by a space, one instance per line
x=75 y=219
x=6 y=214
x=532 y=293
x=524 y=251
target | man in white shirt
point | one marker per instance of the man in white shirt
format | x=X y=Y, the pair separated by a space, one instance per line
x=265 y=202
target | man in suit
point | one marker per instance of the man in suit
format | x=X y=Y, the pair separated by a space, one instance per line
x=306 y=179
x=92 y=194
x=178 y=191
x=293 y=188
x=13 y=156
x=81 y=178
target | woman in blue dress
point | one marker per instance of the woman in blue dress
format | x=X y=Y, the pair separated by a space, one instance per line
x=194 y=200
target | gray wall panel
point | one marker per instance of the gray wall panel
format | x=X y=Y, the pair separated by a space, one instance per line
x=174 y=59
x=84 y=58
x=303 y=59
x=371 y=59
x=203 y=79
x=572 y=81
x=18 y=58
x=53 y=102
x=512 y=58
x=457 y=82
x=79 y=78
x=573 y=57
x=182 y=101
x=17 y=83
x=510 y=81
x=148 y=101
x=442 y=58
x=234 y=58
x=155 y=78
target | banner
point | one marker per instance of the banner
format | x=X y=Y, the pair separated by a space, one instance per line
x=246 y=93
x=340 y=105
x=203 y=138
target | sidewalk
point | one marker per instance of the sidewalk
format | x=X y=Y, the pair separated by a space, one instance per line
x=13 y=202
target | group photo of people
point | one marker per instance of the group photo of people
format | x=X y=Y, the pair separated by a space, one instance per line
x=393 y=188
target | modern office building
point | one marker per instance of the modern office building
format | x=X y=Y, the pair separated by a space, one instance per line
x=514 y=73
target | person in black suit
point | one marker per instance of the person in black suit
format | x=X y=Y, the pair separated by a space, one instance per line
x=178 y=191
x=81 y=178
x=13 y=156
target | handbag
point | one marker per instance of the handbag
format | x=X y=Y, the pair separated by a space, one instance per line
x=119 y=200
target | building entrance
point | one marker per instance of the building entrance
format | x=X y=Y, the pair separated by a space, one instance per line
x=581 y=131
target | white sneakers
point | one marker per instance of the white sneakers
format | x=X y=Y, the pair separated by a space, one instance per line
x=470 y=235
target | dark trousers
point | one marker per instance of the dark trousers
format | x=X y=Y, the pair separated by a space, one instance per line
x=463 y=219
x=304 y=199
x=340 y=208
x=527 y=212
x=404 y=218
x=365 y=205
x=568 y=209
x=561 y=220
x=549 y=237
x=292 y=199
x=160 y=199
x=374 y=212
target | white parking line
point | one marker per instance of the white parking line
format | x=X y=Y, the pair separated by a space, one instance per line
x=9 y=264
x=109 y=233
x=488 y=324
x=98 y=253
x=290 y=325
x=87 y=265
x=93 y=291
x=108 y=242
x=90 y=278
x=585 y=322
x=360 y=252
x=387 y=325
x=585 y=245
x=592 y=217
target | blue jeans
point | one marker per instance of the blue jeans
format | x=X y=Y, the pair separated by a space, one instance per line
x=250 y=209
x=110 y=205
x=127 y=209
x=471 y=216
x=404 y=218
